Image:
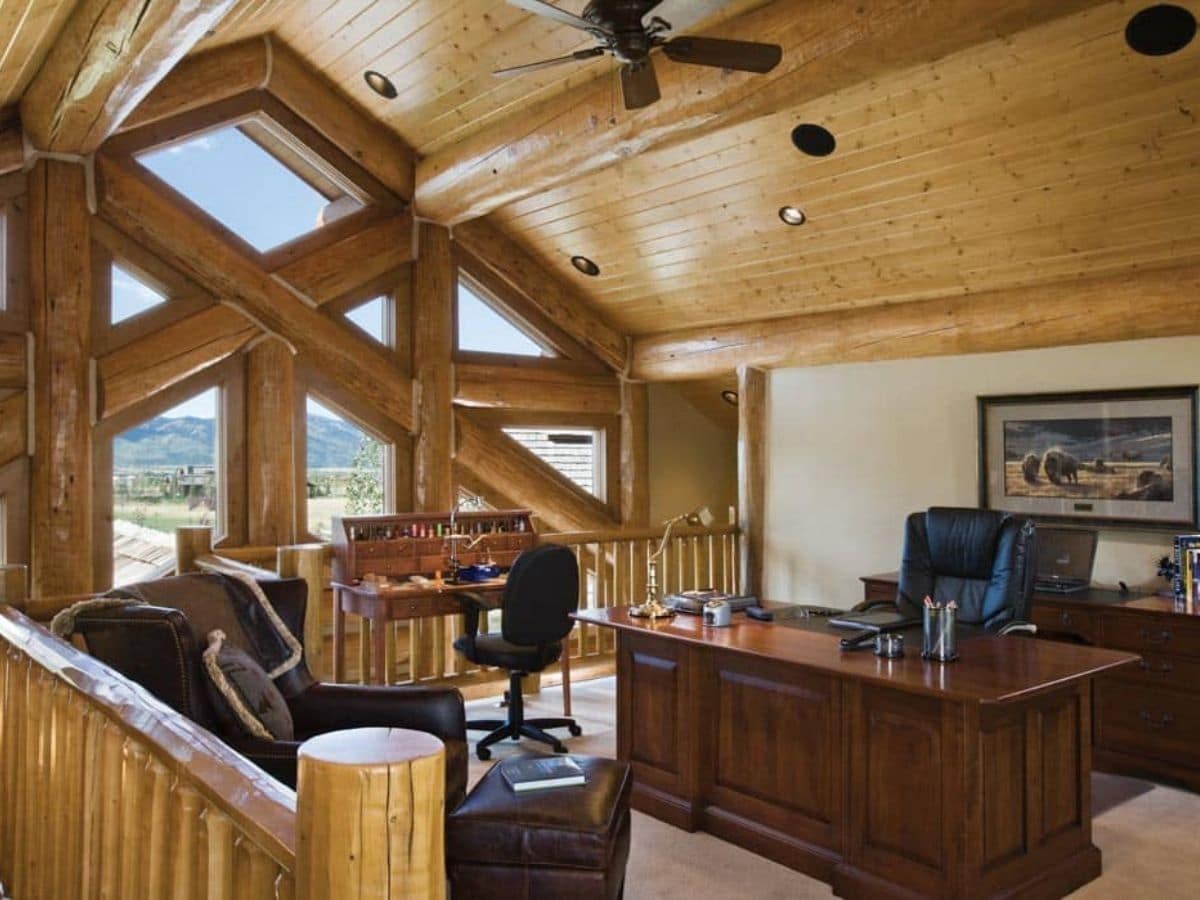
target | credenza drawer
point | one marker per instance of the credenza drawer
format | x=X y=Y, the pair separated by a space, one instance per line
x=1147 y=721
x=1179 y=673
x=1076 y=620
x=1150 y=633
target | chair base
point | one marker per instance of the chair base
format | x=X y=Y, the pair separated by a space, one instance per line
x=516 y=726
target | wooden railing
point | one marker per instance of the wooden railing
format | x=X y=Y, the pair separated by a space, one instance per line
x=106 y=792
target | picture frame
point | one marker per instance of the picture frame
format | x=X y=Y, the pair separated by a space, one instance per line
x=1119 y=458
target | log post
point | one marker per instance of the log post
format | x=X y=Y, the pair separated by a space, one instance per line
x=270 y=461
x=14 y=584
x=307 y=561
x=752 y=458
x=369 y=816
x=432 y=366
x=61 y=287
x=191 y=541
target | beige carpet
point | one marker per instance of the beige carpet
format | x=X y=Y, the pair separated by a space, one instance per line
x=1147 y=833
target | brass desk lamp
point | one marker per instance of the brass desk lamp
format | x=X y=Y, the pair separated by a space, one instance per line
x=652 y=608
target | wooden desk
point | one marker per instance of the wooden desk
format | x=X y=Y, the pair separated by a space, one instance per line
x=1145 y=718
x=409 y=600
x=884 y=778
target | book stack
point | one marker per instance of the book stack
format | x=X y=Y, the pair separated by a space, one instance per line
x=1187 y=566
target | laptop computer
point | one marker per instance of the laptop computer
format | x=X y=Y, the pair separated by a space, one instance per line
x=1065 y=559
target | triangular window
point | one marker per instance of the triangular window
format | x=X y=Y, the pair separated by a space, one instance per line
x=372 y=317
x=573 y=452
x=131 y=296
x=253 y=179
x=481 y=327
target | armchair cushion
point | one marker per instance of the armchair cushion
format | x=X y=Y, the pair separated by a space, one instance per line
x=242 y=694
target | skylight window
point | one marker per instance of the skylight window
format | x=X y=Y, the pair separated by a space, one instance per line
x=481 y=328
x=371 y=317
x=131 y=296
x=251 y=191
x=573 y=452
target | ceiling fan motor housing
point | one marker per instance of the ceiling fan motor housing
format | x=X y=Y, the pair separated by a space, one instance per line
x=630 y=42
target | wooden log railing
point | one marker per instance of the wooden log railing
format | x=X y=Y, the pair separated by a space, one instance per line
x=107 y=792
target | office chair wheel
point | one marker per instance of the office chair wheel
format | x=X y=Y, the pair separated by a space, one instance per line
x=483 y=753
x=575 y=730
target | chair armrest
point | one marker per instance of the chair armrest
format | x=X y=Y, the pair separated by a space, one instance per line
x=333 y=707
x=1019 y=628
x=276 y=758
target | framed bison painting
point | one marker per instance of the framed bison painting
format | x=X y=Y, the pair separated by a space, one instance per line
x=1122 y=458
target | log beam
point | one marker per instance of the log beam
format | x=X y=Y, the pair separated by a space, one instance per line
x=14 y=441
x=1129 y=306
x=827 y=45
x=61 y=314
x=270 y=461
x=497 y=460
x=635 y=454
x=153 y=363
x=12 y=144
x=335 y=270
x=109 y=56
x=200 y=249
x=752 y=475
x=529 y=388
x=561 y=303
x=432 y=349
x=13 y=371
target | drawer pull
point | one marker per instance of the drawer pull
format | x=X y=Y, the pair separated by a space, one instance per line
x=1164 y=668
x=1066 y=618
x=1157 y=723
x=1155 y=637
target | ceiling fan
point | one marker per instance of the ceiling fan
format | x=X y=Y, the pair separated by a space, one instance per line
x=619 y=28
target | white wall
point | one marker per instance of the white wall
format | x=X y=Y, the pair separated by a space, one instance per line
x=853 y=449
x=693 y=461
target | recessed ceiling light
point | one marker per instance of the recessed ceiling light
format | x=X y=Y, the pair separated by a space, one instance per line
x=813 y=140
x=585 y=265
x=1160 y=30
x=730 y=397
x=380 y=84
x=792 y=215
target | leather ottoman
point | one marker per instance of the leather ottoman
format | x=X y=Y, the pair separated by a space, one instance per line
x=542 y=845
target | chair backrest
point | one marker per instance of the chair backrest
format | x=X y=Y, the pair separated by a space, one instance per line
x=984 y=560
x=541 y=594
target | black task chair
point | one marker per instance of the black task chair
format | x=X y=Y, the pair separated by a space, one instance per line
x=983 y=560
x=541 y=594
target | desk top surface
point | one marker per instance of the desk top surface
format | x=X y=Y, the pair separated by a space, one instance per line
x=414 y=589
x=991 y=669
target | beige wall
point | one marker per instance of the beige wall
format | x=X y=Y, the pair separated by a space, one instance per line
x=853 y=449
x=693 y=461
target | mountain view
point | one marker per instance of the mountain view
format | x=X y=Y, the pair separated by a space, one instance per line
x=188 y=440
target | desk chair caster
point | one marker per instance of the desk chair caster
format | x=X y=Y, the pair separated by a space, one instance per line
x=516 y=726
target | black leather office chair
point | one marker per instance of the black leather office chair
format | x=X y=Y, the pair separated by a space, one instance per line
x=982 y=559
x=541 y=594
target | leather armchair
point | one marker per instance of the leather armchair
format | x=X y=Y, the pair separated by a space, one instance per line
x=158 y=648
x=984 y=560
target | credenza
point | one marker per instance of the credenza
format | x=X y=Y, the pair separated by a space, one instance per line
x=1145 y=718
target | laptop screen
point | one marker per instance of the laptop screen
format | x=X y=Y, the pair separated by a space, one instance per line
x=1065 y=554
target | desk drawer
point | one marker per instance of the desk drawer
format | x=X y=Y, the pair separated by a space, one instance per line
x=1150 y=633
x=1147 y=721
x=1062 y=619
x=1179 y=673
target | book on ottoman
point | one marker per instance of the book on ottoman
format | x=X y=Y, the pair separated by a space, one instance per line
x=541 y=772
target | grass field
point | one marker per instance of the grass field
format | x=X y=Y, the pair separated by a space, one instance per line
x=162 y=515
x=1093 y=485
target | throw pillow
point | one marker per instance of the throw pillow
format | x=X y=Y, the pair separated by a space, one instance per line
x=243 y=695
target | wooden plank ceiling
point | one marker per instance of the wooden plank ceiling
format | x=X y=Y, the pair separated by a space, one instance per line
x=1054 y=155
x=440 y=54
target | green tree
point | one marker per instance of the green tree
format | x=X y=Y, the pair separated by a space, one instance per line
x=365 y=488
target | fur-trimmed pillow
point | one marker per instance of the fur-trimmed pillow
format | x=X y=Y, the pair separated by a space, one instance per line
x=244 y=697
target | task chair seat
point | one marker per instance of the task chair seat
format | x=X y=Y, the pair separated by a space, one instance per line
x=541 y=593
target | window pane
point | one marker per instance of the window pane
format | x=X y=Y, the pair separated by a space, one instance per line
x=572 y=451
x=482 y=328
x=371 y=317
x=164 y=475
x=244 y=187
x=345 y=470
x=131 y=295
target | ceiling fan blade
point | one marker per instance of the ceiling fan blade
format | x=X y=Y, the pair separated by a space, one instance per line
x=577 y=56
x=744 y=56
x=639 y=84
x=541 y=8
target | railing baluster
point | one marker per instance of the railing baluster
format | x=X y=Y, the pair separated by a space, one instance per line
x=601 y=591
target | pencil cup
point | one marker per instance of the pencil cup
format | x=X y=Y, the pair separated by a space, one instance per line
x=940 y=641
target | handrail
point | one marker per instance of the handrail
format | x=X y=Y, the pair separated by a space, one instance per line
x=139 y=726
x=223 y=565
x=570 y=538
